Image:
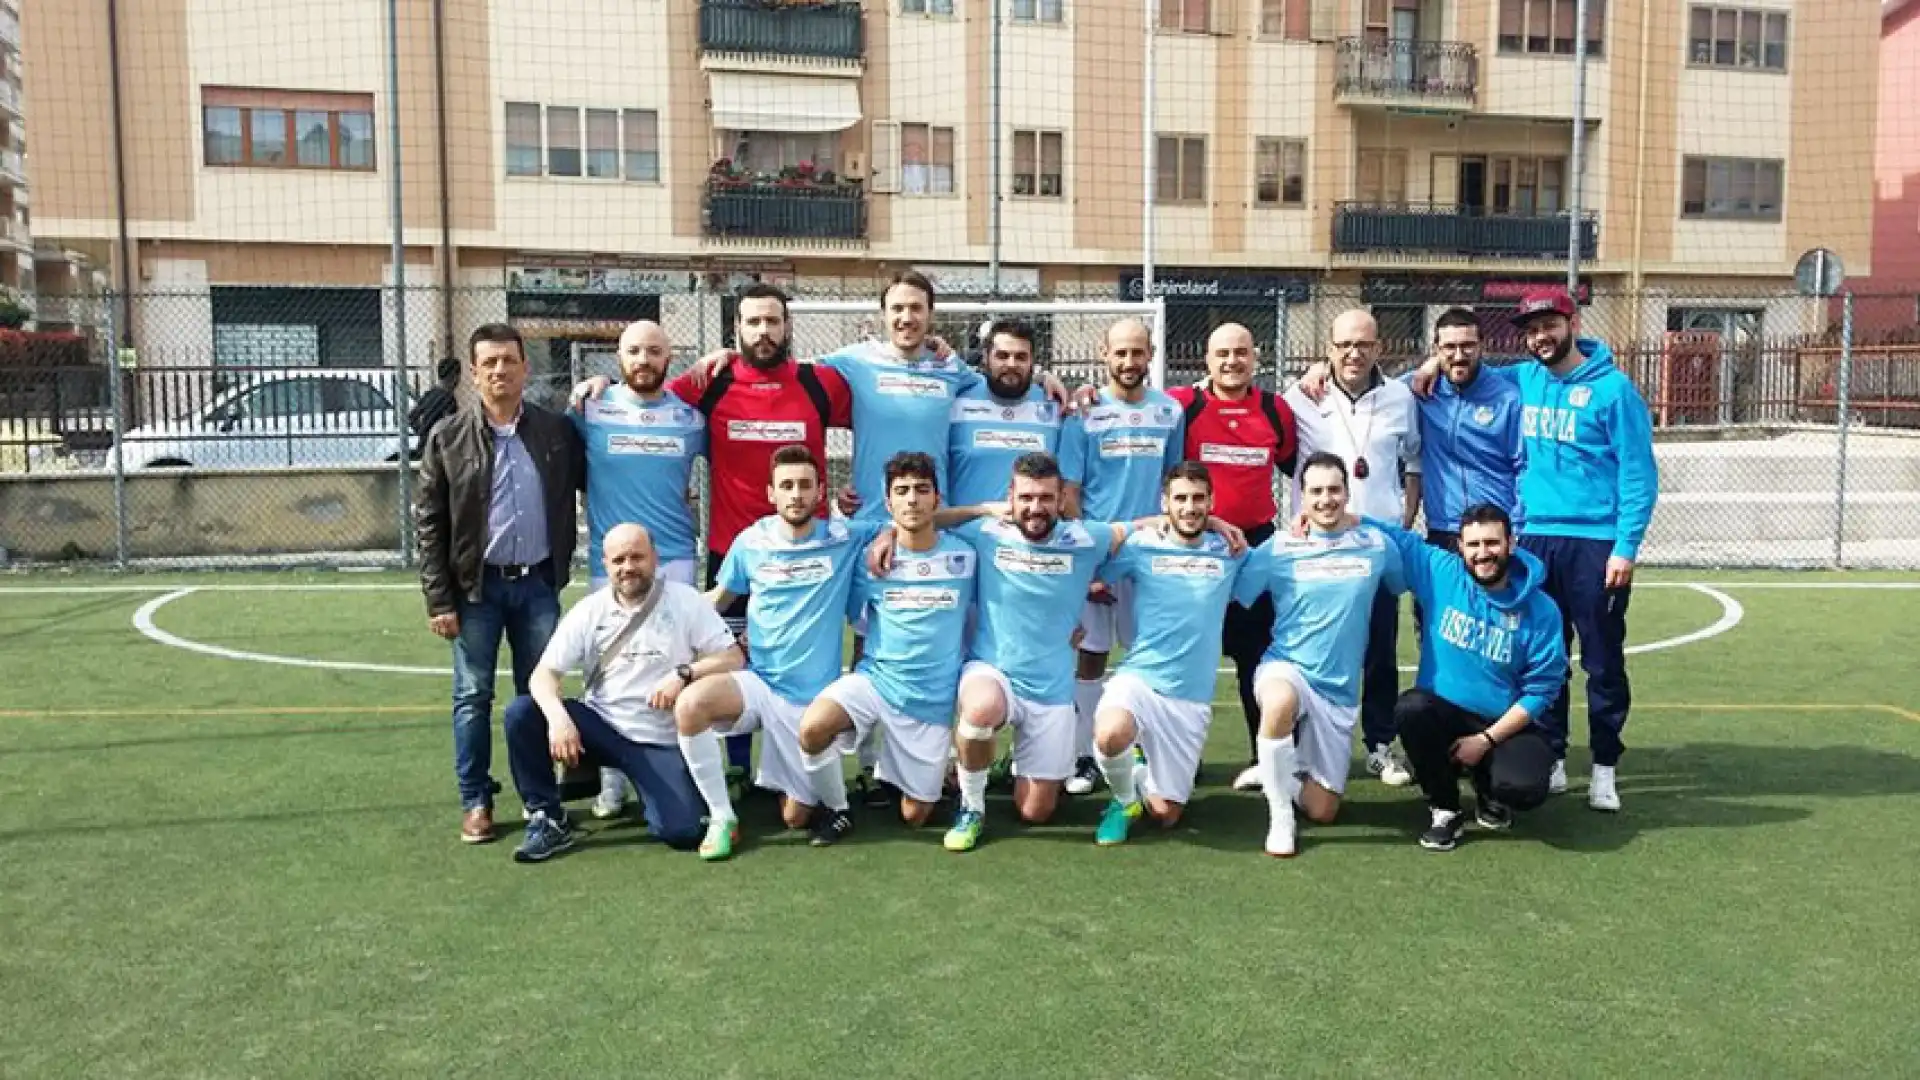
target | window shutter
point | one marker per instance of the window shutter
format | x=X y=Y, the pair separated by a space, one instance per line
x=886 y=156
x=1220 y=15
x=1324 y=22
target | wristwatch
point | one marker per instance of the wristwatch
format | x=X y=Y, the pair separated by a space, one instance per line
x=685 y=671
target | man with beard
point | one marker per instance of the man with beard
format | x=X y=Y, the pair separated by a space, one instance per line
x=794 y=572
x=641 y=443
x=997 y=421
x=1470 y=447
x=1162 y=695
x=640 y=643
x=1113 y=457
x=1491 y=661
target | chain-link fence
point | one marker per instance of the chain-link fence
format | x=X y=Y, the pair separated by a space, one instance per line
x=250 y=425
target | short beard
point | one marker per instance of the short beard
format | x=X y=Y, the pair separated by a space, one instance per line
x=1011 y=391
x=1126 y=380
x=1181 y=530
x=780 y=354
x=1044 y=533
x=1561 y=351
x=640 y=590
x=1499 y=575
x=659 y=379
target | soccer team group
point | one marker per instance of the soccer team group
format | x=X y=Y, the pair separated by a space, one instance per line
x=1000 y=536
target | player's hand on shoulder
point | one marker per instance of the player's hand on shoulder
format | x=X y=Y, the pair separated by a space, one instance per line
x=1083 y=399
x=848 y=501
x=1313 y=382
x=880 y=554
x=1423 y=377
x=1235 y=538
x=1300 y=525
x=587 y=389
x=1056 y=391
x=705 y=369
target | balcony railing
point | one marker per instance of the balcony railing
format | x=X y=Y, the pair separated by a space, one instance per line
x=74 y=310
x=830 y=31
x=770 y=211
x=1400 y=69
x=13 y=166
x=1361 y=228
x=9 y=96
x=9 y=28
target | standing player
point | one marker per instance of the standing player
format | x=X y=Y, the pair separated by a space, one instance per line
x=1589 y=488
x=1113 y=457
x=996 y=422
x=1323 y=586
x=1470 y=448
x=1163 y=693
x=905 y=680
x=795 y=572
x=641 y=443
x=1241 y=433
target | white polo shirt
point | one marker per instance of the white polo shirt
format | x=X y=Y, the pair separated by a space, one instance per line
x=683 y=627
x=1382 y=425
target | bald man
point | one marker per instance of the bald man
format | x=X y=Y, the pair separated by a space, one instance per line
x=641 y=442
x=638 y=643
x=1372 y=424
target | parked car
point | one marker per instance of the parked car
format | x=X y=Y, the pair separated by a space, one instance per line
x=292 y=419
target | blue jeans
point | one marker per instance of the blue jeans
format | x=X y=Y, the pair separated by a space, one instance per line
x=659 y=773
x=526 y=611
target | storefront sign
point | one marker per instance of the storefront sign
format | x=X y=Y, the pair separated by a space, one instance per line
x=1467 y=289
x=968 y=280
x=1203 y=286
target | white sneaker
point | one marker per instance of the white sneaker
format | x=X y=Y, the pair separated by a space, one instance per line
x=1385 y=764
x=1601 y=793
x=613 y=794
x=1280 y=843
x=1557 y=779
x=1248 y=780
x=1085 y=775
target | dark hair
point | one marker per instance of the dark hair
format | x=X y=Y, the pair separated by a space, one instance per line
x=1322 y=459
x=796 y=454
x=760 y=290
x=912 y=278
x=1037 y=465
x=1486 y=514
x=1187 y=470
x=912 y=464
x=497 y=333
x=1456 y=316
x=1013 y=328
x=447 y=370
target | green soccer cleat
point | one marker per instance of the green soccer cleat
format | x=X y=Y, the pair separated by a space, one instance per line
x=1115 y=821
x=722 y=834
x=965 y=833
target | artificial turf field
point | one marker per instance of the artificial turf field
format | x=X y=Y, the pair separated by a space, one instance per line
x=218 y=867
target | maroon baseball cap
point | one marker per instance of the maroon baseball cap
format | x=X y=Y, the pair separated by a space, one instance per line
x=1542 y=301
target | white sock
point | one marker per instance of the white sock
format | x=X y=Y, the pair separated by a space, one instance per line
x=1086 y=702
x=973 y=789
x=613 y=781
x=707 y=761
x=1118 y=771
x=829 y=780
x=1276 y=773
x=869 y=754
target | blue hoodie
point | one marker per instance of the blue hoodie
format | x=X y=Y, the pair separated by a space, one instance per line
x=1482 y=651
x=1470 y=449
x=1589 y=444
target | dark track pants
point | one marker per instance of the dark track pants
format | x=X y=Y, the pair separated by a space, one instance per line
x=1514 y=773
x=1597 y=616
x=1244 y=636
x=1380 y=671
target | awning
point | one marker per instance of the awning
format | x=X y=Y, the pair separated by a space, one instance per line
x=751 y=102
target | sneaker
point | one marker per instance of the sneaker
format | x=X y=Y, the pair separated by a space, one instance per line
x=965 y=833
x=1248 y=780
x=1444 y=833
x=1492 y=814
x=722 y=834
x=830 y=827
x=1385 y=764
x=1115 y=821
x=476 y=826
x=1601 y=792
x=874 y=794
x=613 y=795
x=1280 y=840
x=545 y=838
x=1557 y=779
x=1085 y=775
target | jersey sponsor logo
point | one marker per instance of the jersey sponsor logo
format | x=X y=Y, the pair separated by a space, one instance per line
x=1546 y=422
x=779 y=573
x=1109 y=417
x=1221 y=454
x=648 y=445
x=1024 y=441
x=611 y=412
x=1468 y=634
x=1332 y=568
x=920 y=598
x=900 y=385
x=1015 y=561
x=766 y=431
x=1194 y=566
x=1129 y=446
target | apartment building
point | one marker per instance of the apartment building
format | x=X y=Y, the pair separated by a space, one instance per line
x=592 y=161
x=16 y=242
x=1890 y=298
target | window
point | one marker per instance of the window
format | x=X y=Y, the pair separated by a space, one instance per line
x=598 y=144
x=1037 y=163
x=642 y=129
x=1546 y=27
x=286 y=129
x=1525 y=186
x=1739 y=38
x=1180 y=169
x=1280 y=172
x=926 y=160
x=1038 y=11
x=771 y=152
x=563 y=141
x=523 y=140
x=1382 y=177
x=1731 y=189
x=1194 y=16
x=603 y=144
x=926 y=7
x=1273 y=18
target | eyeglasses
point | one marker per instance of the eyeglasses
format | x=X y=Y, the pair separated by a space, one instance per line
x=1354 y=346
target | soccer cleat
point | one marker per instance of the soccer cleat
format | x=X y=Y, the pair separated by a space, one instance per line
x=1085 y=775
x=545 y=838
x=1444 y=833
x=613 y=796
x=722 y=834
x=1601 y=792
x=1248 y=780
x=1385 y=764
x=1115 y=821
x=1280 y=838
x=1492 y=814
x=830 y=827
x=964 y=835
x=1001 y=776
x=1557 y=779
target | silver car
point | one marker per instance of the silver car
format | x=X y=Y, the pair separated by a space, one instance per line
x=293 y=419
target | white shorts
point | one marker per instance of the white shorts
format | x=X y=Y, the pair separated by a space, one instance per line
x=781 y=767
x=1172 y=732
x=1042 y=734
x=680 y=570
x=913 y=756
x=1105 y=624
x=1322 y=732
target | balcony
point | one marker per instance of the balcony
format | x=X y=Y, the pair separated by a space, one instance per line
x=15 y=235
x=755 y=210
x=803 y=31
x=1447 y=231
x=13 y=167
x=9 y=29
x=1441 y=75
x=71 y=310
x=10 y=97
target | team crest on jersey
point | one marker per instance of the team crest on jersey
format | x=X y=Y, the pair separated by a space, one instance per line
x=1579 y=396
x=1164 y=414
x=1513 y=620
x=1483 y=415
x=956 y=564
x=1045 y=410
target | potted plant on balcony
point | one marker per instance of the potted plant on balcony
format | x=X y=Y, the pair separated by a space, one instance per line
x=14 y=313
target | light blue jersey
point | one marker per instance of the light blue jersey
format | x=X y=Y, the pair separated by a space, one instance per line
x=988 y=435
x=897 y=405
x=639 y=465
x=797 y=599
x=1117 y=452
x=1182 y=592
x=917 y=627
x=1030 y=600
x=1323 y=587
